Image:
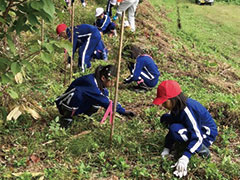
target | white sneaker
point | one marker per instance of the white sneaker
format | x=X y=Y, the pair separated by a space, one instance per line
x=115 y=32
x=126 y=24
x=84 y=4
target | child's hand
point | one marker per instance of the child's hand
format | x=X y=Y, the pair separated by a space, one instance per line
x=115 y=18
x=129 y=114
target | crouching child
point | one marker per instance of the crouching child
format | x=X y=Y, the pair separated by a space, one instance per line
x=87 y=94
x=104 y=23
x=188 y=122
x=143 y=69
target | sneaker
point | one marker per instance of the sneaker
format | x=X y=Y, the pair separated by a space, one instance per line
x=65 y=122
x=204 y=152
x=115 y=32
x=84 y=4
x=126 y=24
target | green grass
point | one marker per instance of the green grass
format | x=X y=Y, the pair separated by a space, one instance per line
x=214 y=30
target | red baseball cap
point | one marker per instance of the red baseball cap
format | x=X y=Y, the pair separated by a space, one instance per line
x=60 y=28
x=167 y=89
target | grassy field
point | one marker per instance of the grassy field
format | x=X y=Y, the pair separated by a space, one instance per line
x=203 y=56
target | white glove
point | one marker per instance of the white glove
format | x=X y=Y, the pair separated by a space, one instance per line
x=165 y=152
x=181 y=167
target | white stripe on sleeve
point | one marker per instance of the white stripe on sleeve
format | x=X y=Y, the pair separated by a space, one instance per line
x=197 y=131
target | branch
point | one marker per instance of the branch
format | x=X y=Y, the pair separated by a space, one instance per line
x=21 y=2
x=5 y=13
x=10 y=5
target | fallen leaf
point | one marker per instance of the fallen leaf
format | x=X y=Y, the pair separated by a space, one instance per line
x=33 y=113
x=14 y=114
x=19 y=78
x=80 y=134
x=41 y=178
x=34 y=174
x=34 y=158
x=49 y=142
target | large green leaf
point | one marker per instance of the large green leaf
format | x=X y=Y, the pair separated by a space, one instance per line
x=20 y=24
x=66 y=45
x=15 y=68
x=13 y=94
x=48 y=7
x=3 y=5
x=38 y=5
x=2 y=20
x=5 y=79
x=32 y=19
x=11 y=44
x=49 y=47
x=46 y=57
x=4 y=61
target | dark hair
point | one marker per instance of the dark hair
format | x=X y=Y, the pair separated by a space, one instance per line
x=132 y=51
x=179 y=103
x=108 y=72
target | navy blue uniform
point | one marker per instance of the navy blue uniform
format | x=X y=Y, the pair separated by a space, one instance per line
x=88 y=39
x=194 y=125
x=82 y=95
x=105 y=25
x=144 y=69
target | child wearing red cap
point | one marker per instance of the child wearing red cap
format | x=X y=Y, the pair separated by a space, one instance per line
x=187 y=122
x=87 y=39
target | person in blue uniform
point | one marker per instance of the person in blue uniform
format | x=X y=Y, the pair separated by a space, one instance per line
x=110 y=4
x=189 y=122
x=87 y=39
x=103 y=23
x=144 y=71
x=86 y=94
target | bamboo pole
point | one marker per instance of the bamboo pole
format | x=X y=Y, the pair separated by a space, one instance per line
x=66 y=63
x=118 y=73
x=42 y=31
x=72 y=27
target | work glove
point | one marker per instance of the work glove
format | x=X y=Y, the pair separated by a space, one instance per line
x=165 y=152
x=129 y=114
x=181 y=166
x=115 y=17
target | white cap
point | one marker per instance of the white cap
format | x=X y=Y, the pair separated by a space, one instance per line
x=99 y=11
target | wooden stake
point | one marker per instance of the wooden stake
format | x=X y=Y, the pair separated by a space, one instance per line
x=72 y=25
x=118 y=73
x=42 y=31
x=66 y=63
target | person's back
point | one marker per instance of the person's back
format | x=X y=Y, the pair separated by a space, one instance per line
x=149 y=65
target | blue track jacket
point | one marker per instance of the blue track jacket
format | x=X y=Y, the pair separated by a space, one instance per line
x=88 y=39
x=105 y=24
x=83 y=93
x=199 y=123
x=146 y=69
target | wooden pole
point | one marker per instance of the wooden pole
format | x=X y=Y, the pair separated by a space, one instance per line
x=42 y=31
x=66 y=63
x=118 y=73
x=72 y=31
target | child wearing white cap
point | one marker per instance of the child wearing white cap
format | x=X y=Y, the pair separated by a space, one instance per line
x=104 y=23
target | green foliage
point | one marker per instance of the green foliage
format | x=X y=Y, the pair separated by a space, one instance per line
x=230 y=1
x=55 y=131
